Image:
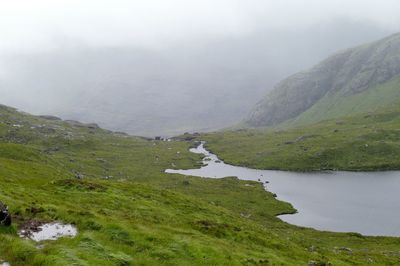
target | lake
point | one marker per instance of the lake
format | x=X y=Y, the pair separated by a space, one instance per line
x=363 y=202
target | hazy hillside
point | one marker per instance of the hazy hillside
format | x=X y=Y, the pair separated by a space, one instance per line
x=353 y=81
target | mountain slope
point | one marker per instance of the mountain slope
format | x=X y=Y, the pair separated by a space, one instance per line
x=335 y=81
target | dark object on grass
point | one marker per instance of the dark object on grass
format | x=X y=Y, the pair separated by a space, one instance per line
x=5 y=217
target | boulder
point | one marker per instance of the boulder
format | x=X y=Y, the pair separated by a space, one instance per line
x=5 y=216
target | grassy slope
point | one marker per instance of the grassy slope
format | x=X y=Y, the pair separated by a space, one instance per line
x=143 y=216
x=332 y=106
x=363 y=142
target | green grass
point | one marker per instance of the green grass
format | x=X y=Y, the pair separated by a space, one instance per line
x=142 y=216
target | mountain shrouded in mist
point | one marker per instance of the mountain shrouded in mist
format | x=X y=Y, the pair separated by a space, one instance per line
x=188 y=87
x=355 y=80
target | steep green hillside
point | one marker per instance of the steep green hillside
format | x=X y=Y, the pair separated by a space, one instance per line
x=141 y=216
x=369 y=141
x=352 y=81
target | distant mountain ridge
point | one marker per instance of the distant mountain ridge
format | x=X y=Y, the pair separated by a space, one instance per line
x=325 y=90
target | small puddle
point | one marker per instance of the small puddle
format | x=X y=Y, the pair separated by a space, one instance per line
x=50 y=231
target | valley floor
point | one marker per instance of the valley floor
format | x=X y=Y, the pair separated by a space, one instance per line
x=129 y=212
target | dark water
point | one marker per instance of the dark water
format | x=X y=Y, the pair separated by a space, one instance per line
x=363 y=202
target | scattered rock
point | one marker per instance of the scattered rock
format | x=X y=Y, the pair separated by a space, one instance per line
x=344 y=249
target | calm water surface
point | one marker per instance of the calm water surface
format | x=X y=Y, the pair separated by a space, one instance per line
x=363 y=202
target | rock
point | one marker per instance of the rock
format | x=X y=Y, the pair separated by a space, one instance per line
x=78 y=175
x=5 y=216
x=50 y=117
x=244 y=215
x=312 y=249
x=344 y=249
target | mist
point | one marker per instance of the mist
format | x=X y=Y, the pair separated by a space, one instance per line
x=167 y=67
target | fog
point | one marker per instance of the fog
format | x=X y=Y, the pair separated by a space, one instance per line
x=166 y=67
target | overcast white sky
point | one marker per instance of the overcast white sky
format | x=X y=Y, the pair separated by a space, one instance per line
x=43 y=24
